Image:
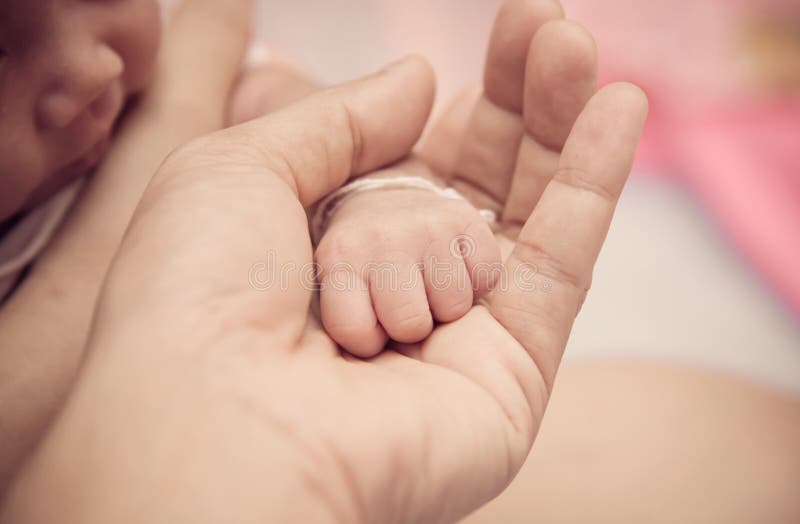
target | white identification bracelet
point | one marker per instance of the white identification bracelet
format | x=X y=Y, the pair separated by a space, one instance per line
x=328 y=206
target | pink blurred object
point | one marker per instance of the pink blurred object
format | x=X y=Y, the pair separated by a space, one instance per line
x=743 y=162
x=736 y=147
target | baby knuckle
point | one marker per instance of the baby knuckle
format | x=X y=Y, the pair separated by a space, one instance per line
x=346 y=331
x=338 y=244
x=454 y=308
x=411 y=319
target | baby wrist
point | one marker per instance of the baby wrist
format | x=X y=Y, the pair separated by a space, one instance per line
x=327 y=207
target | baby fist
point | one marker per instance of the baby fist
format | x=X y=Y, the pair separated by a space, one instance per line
x=394 y=260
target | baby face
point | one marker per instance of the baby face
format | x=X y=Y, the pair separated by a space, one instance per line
x=66 y=70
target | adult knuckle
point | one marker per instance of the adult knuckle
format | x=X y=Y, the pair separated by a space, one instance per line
x=548 y=266
x=580 y=179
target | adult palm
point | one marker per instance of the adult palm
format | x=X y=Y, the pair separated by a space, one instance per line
x=199 y=389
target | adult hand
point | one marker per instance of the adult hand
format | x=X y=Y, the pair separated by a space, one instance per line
x=500 y=149
x=205 y=400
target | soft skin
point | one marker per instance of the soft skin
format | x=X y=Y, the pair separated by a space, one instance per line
x=187 y=97
x=237 y=406
x=48 y=318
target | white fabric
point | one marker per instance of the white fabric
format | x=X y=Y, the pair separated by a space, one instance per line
x=328 y=206
x=26 y=240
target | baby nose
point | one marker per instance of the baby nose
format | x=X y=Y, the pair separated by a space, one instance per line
x=83 y=76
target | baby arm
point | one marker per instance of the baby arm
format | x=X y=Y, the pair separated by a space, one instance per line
x=398 y=255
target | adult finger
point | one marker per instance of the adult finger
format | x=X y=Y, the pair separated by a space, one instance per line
x=315 y=145
x=265 y=88
x=489 y=150
x=550 y=269
x=560 y=78
x=440 y=147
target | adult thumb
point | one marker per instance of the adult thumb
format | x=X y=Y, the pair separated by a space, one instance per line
x=226 y=201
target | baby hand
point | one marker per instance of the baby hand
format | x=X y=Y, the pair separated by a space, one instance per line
x=394 y=259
